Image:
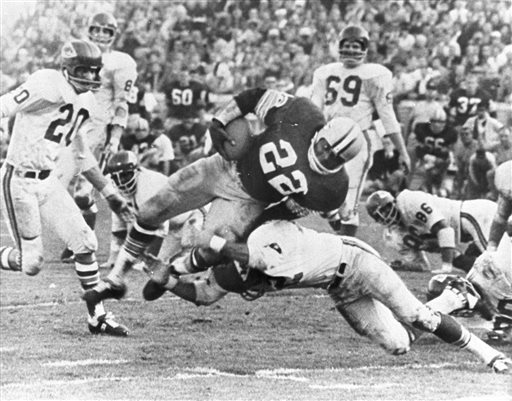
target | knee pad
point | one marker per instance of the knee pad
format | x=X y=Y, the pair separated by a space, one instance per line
x=83 y=242
x=84 y=201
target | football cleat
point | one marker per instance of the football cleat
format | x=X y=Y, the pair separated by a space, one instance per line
x=464 y=289
x=500 y=364
x=501 y=332
x=10 y=258
x=105 y=324
x=105 y=289
x=160 y=273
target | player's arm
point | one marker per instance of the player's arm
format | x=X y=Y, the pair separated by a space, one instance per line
x=499 y=223
x=381 y=89
x=123 y=83
x=318 y=90
x=30 y=96
x=256 y=100
x=446 y=241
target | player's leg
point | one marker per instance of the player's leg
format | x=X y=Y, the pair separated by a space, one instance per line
x=492 y=276
x=61 y=213
x=357 y=170
x=19 y=203
x=118 y=233
x=189 y=188
x=370 y=318
x=382 y=283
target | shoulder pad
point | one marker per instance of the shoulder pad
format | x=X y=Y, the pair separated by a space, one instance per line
x=373 y=70
x=120 y=60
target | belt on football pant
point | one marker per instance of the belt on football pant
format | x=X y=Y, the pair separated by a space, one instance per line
x=338 y=277
x=36 y=174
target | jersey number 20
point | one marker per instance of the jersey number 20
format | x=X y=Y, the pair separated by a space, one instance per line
x=56 y=129
x=351 y=90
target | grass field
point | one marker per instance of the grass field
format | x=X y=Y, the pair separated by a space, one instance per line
x=286 y=346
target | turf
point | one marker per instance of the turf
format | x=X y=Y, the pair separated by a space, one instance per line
x=285 y=346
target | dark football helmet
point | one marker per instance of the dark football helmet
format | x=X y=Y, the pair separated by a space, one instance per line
x=81 y=64
x=353 y=57
x=381 y=206
x=103 y=30
x=123 y=168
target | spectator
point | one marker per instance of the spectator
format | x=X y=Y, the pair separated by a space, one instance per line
x=153 y=149
x=486 y=130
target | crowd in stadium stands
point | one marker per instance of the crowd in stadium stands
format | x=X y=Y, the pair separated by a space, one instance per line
x=432 y=47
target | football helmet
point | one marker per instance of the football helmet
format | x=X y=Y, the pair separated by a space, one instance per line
x=123 y=168
x=438 y=120
x=381 y=206
x=352 y=56
x=103 y=30
x=339 y=141
x=81 y=64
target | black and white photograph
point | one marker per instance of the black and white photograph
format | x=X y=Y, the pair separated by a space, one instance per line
x=256 y=200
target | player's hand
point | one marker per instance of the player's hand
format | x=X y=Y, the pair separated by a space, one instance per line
x=405 y=162
x=120 y=206
x=219 y=136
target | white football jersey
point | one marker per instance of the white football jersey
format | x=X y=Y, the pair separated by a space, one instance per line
x=420 y=211
x=305 y=257
x=356 y=93
x=118 y=76
x=48 y=113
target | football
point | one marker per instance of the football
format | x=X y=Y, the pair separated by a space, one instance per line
x=240 y=130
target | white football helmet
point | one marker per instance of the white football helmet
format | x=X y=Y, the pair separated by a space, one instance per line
x=381 y=206
x=339 y=141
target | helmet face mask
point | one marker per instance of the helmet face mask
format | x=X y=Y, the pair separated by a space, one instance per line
x=353 y=45
x=81 y=64
x=339 y=141
x=381 y=206
x=103 y=30
x=123 y=168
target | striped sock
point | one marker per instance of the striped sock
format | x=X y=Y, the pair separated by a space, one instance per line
x=10 y=258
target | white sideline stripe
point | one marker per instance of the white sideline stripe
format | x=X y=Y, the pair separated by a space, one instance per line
x=55 y=303
x=8 y=349
x=282 y=374
x=85 y=362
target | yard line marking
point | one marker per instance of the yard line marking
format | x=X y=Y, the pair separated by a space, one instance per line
x=8 y=349
x=340 y=386
x=85 y=362
x=55 y=303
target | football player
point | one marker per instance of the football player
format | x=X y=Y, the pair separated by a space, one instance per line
x=492 y=270
x=359 y=90
x=49 y=109
x=366 y=291
x=298 y=156
x=421 y=221
x=137 y=184
x=435 y=171
x=464 y=100
x=185 y=98
x=109 y=117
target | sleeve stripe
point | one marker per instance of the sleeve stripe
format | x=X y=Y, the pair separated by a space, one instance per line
x=272 y=98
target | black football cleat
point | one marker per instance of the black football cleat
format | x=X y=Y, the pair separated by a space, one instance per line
x=105 y=324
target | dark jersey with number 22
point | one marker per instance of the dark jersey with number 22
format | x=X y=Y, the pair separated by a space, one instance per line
x=277 y=164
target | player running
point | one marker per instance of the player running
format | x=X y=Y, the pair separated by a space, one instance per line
x=49 y=109
x=358 y=90
x=298 y=156
x=108 y=118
